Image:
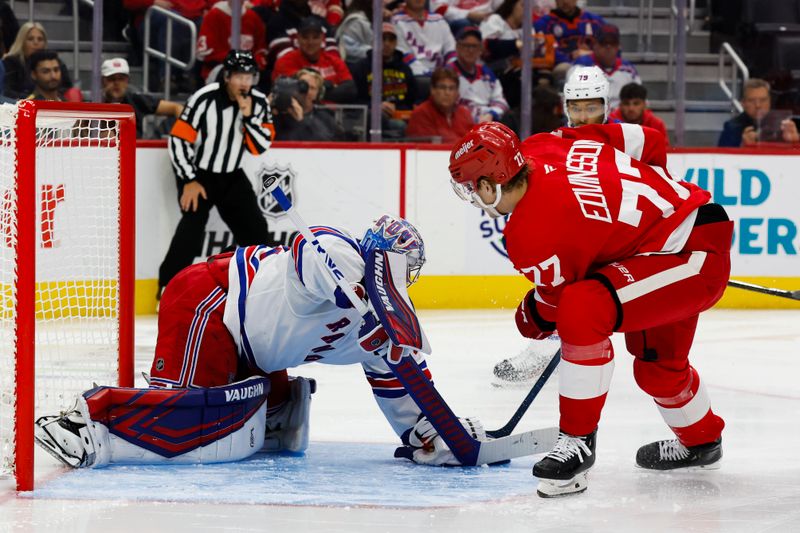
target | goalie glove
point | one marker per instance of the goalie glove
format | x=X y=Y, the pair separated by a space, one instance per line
x=423 y=445
x=372 y=337
x=529 y=323
x=343 y=302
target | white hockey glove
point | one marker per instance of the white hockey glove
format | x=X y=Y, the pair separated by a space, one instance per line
x=287 y=428
x=423 y=445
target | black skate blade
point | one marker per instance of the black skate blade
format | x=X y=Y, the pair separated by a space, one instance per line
x=50 y=448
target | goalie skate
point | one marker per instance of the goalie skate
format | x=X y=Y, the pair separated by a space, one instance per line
x=528 y=365
x=66 y=438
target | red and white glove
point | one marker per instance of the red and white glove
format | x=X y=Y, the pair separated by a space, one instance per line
x=372 y=337
x=529 y=323
x=343 y=302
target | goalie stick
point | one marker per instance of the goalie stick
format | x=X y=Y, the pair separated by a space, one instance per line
x=523 y=407
x=467 y=450
x=792 y=295
x=386 y=288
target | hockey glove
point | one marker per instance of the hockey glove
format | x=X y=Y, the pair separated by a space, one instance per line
x=343 y=302
x=423 y=445
x=529 y=323
x=372 y=337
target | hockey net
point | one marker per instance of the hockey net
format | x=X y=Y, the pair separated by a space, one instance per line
x=66 y=263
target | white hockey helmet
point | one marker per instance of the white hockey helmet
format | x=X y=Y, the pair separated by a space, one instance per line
x=585 y=83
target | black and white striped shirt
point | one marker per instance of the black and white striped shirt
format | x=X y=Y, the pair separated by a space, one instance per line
x=212 y=134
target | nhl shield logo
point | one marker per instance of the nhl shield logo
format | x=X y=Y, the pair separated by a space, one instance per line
x=267 y=176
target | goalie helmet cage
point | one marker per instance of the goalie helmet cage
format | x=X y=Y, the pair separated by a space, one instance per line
x=67 y=180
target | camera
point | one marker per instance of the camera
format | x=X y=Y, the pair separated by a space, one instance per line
x=284 y=90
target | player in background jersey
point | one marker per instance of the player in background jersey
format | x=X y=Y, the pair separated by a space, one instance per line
x=227 y=331
x=612 y=243
x=586 y=102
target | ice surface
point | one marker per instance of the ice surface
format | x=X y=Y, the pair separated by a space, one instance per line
x=750 y=361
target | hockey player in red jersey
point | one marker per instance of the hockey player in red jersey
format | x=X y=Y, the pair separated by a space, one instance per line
x=612 y=243
x=228 y=329
x=586 y=102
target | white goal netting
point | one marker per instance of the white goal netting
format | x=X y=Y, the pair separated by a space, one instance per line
x=77 y=230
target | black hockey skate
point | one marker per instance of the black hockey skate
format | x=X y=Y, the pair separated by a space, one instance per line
x=671 y=454
x=564 y=470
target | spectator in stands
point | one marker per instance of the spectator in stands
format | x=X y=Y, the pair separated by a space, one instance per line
x=115 y=77
x=633 y=109
x=479 y=88
x=301 y=118
x=282 y=30
x=462 y=13
x=606 y=55
x=502 y=34
x=546 y=112
x=424 y=38
x=355 y=32
x=745 y=129
x=573 y=29
x=328 y=10
x=441 y=115
x=18 y=83
x=9 y=27
x=339 y=85
x=45 y=70
x=181 y=41
x=399 y=84
x=214 y=40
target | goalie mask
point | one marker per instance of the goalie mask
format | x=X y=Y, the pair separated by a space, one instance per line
x=392 y=234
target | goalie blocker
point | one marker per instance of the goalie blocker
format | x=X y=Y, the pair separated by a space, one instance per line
x=116 y=425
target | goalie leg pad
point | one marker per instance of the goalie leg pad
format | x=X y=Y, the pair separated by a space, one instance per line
x=287 y=426
x=183 y=426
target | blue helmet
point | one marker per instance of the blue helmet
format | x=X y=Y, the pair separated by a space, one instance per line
x=396 y=235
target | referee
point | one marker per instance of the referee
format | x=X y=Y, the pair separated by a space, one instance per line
x=219 y=122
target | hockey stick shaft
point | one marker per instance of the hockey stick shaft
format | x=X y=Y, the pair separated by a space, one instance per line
x=526 y=403
x=782 y=293
x=321 y=254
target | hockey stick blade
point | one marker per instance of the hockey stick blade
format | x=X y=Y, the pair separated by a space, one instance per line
x=518 y=445
x=526 y=403
x=469 y=451
x=781 y=293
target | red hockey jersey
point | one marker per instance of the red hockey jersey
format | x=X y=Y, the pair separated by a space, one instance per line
x=598 y=194
x=214 y=39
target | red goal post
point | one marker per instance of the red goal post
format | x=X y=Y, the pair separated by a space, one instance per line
x=67 y=179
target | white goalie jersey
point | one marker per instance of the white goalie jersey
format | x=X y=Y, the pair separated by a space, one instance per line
x=281 y=311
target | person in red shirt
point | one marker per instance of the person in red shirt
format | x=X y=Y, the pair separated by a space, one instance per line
x=612 y=243
x=181 y=40
x=214 y=39
x=633 y=109
x=441 y=115
x=339 y=85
